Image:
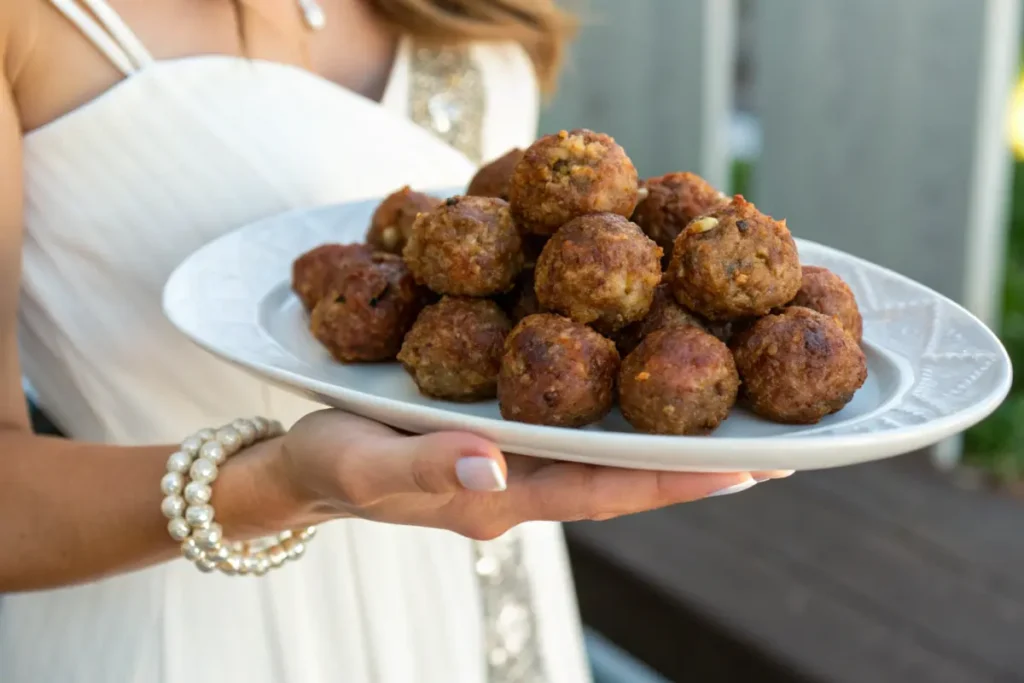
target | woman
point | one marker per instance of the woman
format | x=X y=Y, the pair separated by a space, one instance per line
x=126 y=148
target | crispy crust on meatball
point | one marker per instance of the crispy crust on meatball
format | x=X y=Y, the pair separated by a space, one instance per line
x=467 y=246
x=734 y=262
x=393 y=219
x=368 y=308
x=454 y=349
x=493 y=179
x=673 y=200
x=665 y=312
x=556 y=372
x=679 y=380
x=825 y=292
x=798 y=366
x=570 y=174
x=313 y=270
x=599 y=269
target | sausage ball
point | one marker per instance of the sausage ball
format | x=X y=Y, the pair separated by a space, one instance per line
x=522 y=301
x=556 y=372
x=673 y=200
x=679 y=380
x=825 y=292
x=393 y=219
x=599 y=269
x=734 y=262
x=665 y=312
x=312 y=271
x=454 y=349
x=467 y=246
x=798 y=366
x=368 y=308
x=492 y=179
x=571 y=174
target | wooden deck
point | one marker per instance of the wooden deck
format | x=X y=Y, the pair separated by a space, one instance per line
x=878 y=573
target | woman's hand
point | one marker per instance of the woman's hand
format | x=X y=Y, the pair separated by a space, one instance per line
x=346 y=466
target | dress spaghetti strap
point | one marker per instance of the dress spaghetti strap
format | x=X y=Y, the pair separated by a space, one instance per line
x=110 y=34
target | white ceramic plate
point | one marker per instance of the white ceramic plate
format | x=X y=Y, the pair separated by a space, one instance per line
x=933 y=368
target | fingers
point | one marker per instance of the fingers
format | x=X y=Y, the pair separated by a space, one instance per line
x=570 y=492
x=377 y=466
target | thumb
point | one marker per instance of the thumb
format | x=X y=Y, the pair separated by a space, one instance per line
x=439 y=463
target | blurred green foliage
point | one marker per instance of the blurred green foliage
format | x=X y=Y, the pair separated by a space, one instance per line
x=997 y=444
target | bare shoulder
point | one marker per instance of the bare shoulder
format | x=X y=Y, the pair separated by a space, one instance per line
x=19 y=31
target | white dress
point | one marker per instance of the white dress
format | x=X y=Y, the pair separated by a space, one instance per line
x=118 y=192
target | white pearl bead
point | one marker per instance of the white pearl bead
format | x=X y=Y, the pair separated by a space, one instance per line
x=284 y=535
x=211 y=536
x=206 y=565
x=172 y=483
x=230 y=439
x=262 y=426
x=172 y=506
x=179 y=529
x=262 y=564
x=179 y=461
x=191 y=445
x=246 y=430
x=197 y=493
x=199 y=515
x=249 y=564
x=307 y=533
x=220 y=553
x=214 y=452
x=231 y=566
x=190 y=550
x=203 y=471
x=206 y=434
x=294 y=548
x=277 y=555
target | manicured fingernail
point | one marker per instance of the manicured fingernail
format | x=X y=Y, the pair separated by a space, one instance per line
x=780 y=475
x=735 y=488
x=477 y=473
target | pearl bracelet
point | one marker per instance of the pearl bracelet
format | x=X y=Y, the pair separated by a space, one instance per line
x=187 y=491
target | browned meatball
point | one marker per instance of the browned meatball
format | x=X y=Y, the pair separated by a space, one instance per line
x=673 y=200
x=368 y=308
x=825 y=292
x=570 y=174
x=734 y=262
x=798 y=366
x=393 y=219
x=680 y=380
x=522 y=301
x=599 y=269
x=556 y=372
x=665 y=313
x=454 y=349
x=312 y=271
x=468 y=246
x=492 y=179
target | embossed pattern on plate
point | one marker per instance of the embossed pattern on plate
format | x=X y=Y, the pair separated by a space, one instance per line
x=934 y=369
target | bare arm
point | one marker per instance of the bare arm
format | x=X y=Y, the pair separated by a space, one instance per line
x=70 y=511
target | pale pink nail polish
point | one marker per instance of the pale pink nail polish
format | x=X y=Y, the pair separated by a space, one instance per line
x=478 y=473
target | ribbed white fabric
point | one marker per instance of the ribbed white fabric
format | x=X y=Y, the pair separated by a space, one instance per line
x=117 y=193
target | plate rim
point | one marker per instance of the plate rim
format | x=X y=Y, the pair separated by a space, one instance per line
x=896 y=440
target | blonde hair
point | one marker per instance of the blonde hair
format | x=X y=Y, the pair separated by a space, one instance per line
x=540 y=26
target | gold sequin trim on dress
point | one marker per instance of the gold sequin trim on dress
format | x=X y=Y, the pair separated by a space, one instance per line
x=447 y=98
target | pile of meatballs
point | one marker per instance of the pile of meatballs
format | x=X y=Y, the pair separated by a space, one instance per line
x=561 y=283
